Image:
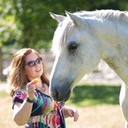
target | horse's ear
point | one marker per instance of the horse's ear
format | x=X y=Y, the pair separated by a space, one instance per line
x=76 y=19
x=58 y=18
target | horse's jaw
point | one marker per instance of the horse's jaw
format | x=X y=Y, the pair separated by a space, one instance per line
x=61 y=85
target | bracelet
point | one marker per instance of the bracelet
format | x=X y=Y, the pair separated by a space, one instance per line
x=29 y=100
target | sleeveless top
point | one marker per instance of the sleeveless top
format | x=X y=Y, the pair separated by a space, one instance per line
x=45 y=112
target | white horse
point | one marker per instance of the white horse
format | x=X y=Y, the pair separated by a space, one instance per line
x=80 y=41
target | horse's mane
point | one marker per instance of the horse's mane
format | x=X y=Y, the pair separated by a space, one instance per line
x=106 y=14
x=114 y=15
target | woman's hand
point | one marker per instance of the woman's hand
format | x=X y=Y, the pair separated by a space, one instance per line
x=71 y=113
x=31 y=86
x=31 y=90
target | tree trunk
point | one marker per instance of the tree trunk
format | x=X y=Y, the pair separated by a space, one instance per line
x=1 y=65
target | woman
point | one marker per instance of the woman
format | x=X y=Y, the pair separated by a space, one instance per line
x=32 y=104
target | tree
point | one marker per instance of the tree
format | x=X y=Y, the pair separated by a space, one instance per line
x=28 y=22
x=8 y=30
x=33 y=22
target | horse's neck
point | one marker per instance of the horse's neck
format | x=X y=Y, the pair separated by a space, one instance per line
x=114 y=47
x=117 y=64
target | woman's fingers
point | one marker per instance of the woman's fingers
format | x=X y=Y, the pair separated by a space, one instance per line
x=76 y=115
x=31 y=90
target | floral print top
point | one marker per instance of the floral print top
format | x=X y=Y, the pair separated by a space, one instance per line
x=45 y=112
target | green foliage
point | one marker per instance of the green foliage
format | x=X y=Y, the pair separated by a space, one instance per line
x=35 y=23
x=29 y=23
x=8 y=28
x=32 y=17
x=90 y=95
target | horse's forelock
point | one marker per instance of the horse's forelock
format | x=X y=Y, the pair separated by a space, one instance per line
x=60 y=35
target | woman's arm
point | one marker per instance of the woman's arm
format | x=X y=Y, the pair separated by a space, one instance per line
x=22 y=112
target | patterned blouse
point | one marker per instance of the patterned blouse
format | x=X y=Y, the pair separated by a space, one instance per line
x=45 y=112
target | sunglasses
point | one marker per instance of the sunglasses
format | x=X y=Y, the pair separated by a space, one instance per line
x=32 y=63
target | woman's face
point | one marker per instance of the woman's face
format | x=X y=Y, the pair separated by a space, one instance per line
x=33 y=66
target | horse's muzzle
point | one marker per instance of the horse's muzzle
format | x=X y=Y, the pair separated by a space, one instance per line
x=60 y=94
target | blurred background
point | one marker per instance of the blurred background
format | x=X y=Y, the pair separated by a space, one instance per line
x=27 y=23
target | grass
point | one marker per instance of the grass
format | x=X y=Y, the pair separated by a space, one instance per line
x=90 y=95
x=94 y=94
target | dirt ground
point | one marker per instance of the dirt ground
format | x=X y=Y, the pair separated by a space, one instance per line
x=102 y=116
x=90 y=117
x=98 y=117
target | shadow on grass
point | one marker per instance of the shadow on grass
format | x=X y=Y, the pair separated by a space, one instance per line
x=88 y=95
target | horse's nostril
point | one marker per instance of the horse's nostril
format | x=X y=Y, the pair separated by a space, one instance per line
x=60 y=95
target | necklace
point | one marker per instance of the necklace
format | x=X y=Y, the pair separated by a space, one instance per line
x=42 y=88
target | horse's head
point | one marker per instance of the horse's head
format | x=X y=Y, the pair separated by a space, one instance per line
x=76 y=51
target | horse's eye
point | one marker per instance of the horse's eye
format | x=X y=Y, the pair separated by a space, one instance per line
x=72 y=46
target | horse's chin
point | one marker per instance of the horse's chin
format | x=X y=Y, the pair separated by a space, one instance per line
x=67 y=96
